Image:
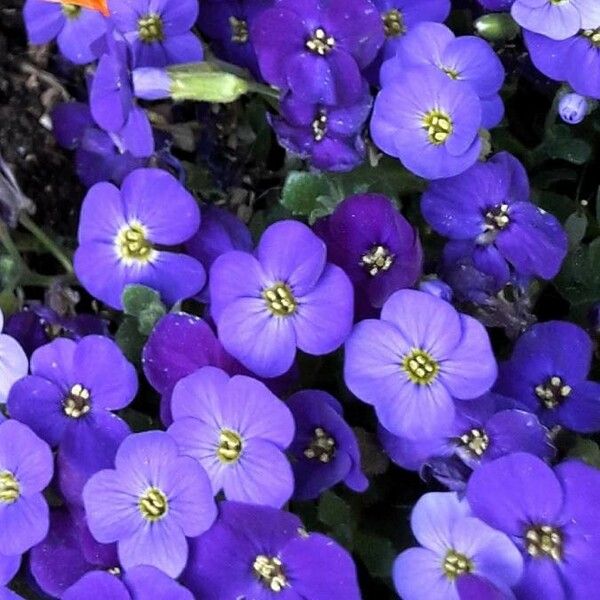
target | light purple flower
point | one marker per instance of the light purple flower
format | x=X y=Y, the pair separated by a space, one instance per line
x=119 y=231
x=415 y=359
x=284 y=297
x=13 y=362
x=453 y=544
x=150 y=503
x=238 y=431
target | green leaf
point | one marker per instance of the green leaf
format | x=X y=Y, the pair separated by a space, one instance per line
x=586 y=450
x=576 y=226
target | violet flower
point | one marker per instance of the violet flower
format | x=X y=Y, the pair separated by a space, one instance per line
x=13 y=362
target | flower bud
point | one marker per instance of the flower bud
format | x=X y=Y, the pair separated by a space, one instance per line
x=573 y=108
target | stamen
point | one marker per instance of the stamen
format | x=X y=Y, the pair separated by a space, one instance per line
x=153 y=504
x=321 y=447
x=280 y=300
x=270 y=572
x=552 y=392
x=420 y=367
x=230 y=446
x=320 y=43
x=150 y=28
x=456 y=564
x=10 y=490
x=239 y=30
x=77 y=403
x=544 y=540
x=393 y=23
x=438 y=125
x=377 y=259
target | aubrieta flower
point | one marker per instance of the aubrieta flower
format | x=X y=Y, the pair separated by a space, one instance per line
x=547 y=374
x=466 y=58
x=489 y=204
x=429 y=121
x=453 y=544
x=119 y=231
x=238 y=431
x=375 y=245
x=284 y=296
x=550 y=515
x=26 y=468
x=74 y=27
x=329 y=136
x=13 y=362
x=227 y=24
x=400 y=16
x=317 y=48
x=415 y=359
x=325 y=450
x=138 y=583
x=557 y=19
x=72 y=388
x=150 y=503
x=268 y=555
x=575 y=60
x=158 y=32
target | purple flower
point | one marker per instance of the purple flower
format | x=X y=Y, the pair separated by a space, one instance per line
x=75 y=28
x=227 y=24
x=324 y=450
x=119 y=231
x=158 y=32
x=400 y=16
x=283 y=297
x=137 y=583
x=550 y=515
x=72 y=388
x=429 y=121
x=26 y=467
x=330 y=137
x=150 y=503
x=220 y=231
x=375 y=245
x=556 y=19
x=316 y=48
x=547 y=374
x=575 y=60
x=573 y=108
x=13 y=362
x=412 y=362
x=489 y=204
x=454 y=544
x=268 y=554
x=237 y=430
x=467 y=58
x=483 y=430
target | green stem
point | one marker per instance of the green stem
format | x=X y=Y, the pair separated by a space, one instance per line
x=51 y=246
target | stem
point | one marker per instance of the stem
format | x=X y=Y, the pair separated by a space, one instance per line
x=53 y=248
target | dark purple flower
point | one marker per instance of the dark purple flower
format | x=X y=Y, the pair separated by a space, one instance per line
x=150 y=503
x=158 y=32
x=238 y=431
x=75 y=28
x=375 y=245
x=329 y=136
x=317 y=48
x=400 y=16
x=268 y=555
x=220 y=231
x=26 y=467
x=467 y=58
x=550 y=515
x=324 y=451
x=555 y=18
x=575 y=60
x=454 y=544
x=227 y=24
x=13 y=362
x=429 y=121
x=412 y=362
x=547 y=374
x=137 y=583
x=284 y=297
x=72 y=389
x=489 y=205
x=483 y=429
x=573 y=108
x=120 y=229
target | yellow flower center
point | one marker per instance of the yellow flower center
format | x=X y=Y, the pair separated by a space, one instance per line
x=77 y=403
x=438 y=125
x=230 y=446
x=280 y=300
x=544 y=540
x=270 y=572
x=321 y=447
x=239 y=30
x=377 y=259
x=320 y=43
x=552 y=392
x=133 y=244
x=71 y=11
x=153 y=504
x=420 y=367
x=150 y=28
x=393 y=23
x=456 y=564
x=10 y=490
